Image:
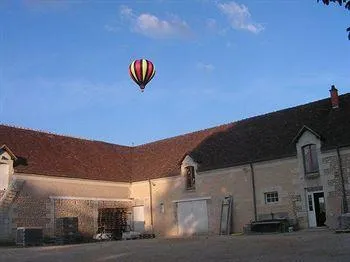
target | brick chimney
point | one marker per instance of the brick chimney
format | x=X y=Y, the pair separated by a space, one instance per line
x=334 y=97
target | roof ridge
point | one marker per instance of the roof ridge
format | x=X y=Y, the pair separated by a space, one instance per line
x=287 y=109
x=57 y=134
x=181 y=135
x=186 y=134
x=241 y=120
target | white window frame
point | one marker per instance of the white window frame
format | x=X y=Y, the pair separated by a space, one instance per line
x=271 y=197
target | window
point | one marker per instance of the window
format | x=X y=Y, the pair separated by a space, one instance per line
x=162 y=208
x=310 y=159
x=190 y=178
x=271 y=197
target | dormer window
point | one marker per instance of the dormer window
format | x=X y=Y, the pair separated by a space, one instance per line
x=310 y=159
x=190 y=178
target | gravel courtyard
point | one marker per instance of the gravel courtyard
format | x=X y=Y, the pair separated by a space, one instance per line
x=299 y=246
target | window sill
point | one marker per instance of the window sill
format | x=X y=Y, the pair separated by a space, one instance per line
x=272 y=203
x=312 y=175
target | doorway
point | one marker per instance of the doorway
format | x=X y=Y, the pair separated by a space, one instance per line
x=112 y=220
x=139 y=219
x=192 y=217
x=316 y=209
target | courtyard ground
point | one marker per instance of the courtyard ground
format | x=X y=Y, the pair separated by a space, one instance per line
x=319 y=245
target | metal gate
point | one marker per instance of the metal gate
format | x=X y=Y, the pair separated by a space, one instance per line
x=112 y=220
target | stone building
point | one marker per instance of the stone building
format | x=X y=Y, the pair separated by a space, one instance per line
x=292 y=163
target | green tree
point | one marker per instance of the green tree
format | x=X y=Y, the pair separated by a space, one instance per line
x=345 y=3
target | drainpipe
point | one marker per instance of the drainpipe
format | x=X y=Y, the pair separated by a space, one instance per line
x=151 y=203
x=54 y=216
x=344 y=202
x=254 y=195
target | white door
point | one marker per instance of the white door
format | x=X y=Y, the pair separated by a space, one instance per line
x=139 y=218
x=311 y=210
x=192 y=217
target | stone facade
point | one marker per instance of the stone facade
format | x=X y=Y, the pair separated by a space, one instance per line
x=218 y=184
x=327 y=180
x=285 y=176
x=43 y=199
x=86 y=211
x=334 y=184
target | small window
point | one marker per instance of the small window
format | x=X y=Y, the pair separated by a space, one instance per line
x=190 y=178
x=162 y=208
x=310 y=159
x=271 y=197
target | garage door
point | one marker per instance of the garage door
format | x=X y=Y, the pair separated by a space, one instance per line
x=192 y=217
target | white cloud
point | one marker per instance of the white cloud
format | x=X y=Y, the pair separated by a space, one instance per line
x=205 y=67
x=240 y=17
x=126 y=11
x=154 y=27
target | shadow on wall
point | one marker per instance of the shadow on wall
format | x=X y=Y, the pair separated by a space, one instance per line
x=20 y=161
x=173 y=217
x=29 y=211
x=34 y=208
x=95 y=216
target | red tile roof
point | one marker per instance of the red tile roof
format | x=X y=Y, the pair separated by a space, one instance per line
x=56 y=155
x=264 y=137
x=163 y=158
x=272 y=136
x=62 y=156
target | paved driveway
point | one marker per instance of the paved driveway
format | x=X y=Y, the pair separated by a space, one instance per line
x=300 y=246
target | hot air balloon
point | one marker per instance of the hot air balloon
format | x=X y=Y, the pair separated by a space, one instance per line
x=142 y=71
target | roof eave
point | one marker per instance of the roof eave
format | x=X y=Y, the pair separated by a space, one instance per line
x=7 y=149
x=301 y=132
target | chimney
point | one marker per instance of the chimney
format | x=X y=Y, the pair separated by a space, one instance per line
x=334 y=97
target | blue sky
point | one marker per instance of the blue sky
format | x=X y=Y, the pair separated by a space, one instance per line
x=64 y=64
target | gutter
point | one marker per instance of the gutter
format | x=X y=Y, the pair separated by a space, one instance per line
x=254 y=194
x=246 y=163
x=151 y=203
x=323 y=150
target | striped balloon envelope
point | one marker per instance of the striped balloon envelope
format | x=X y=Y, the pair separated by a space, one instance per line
x=142 y=71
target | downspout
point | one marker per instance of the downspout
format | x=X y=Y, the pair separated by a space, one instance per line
x=344 y=200
x=53 y=217
x=253 y=186
x=151 y=203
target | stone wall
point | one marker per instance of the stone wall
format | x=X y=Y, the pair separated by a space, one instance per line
x=31 y=212
x=2 y=192
x=334 y=185
x=86 y=211
x=39 y=203
x=280 y=175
